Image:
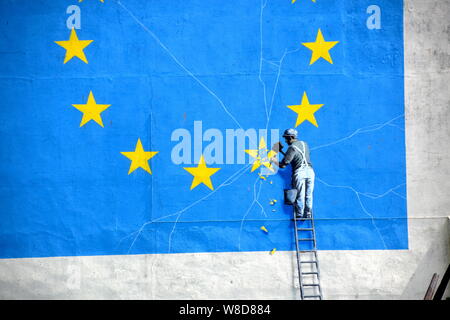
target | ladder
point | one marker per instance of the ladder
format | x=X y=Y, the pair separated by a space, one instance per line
x=307 y=261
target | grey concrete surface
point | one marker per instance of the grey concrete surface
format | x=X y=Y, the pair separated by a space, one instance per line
x=394 y=274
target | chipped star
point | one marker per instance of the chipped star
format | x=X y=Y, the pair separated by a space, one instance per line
x=262 y=156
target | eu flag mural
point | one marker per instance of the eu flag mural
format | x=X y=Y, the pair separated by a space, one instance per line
x=134 y=127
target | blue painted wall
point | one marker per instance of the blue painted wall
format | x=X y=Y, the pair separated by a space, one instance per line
x=161 y=65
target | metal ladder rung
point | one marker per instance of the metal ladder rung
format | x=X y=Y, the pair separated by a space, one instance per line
x=306 y=239
x=307 y=273
x=315 y=296
x=304 y=229
x=311 y=285
x=305 y=251
x=308 y=261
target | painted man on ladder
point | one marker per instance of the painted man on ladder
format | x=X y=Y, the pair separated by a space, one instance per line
x=302 y=171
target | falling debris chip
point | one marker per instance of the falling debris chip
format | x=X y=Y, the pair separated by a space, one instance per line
x=264 y=229
x=273 y=251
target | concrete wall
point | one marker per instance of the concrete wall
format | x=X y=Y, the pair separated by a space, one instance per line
x=402 y=274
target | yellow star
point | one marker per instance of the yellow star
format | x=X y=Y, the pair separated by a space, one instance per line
x=74 y=47
x=91 y=110
x=139 y=158
x=305 y=111
x=202 y=174
x=320 y=48
x=262 y=156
